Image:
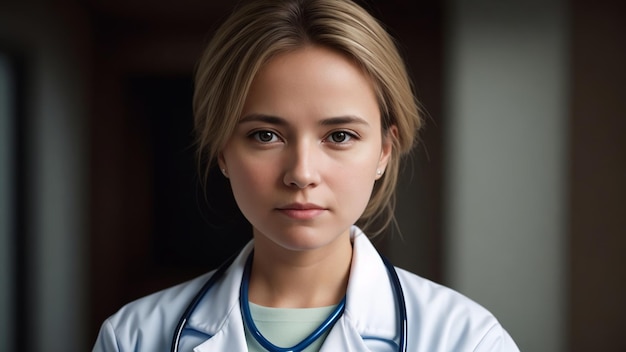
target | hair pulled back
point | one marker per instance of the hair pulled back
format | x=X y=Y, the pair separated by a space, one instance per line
x=262 y=29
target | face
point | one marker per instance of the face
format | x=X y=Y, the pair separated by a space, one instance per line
x=303 y=159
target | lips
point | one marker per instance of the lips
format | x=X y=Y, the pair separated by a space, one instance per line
x=301 y=211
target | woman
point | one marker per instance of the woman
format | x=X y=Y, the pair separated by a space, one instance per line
x=306 y=107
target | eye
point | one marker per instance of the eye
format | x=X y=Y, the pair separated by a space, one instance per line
x=340 y=137
x=264 y=136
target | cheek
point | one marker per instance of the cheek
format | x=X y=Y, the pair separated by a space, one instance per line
x=354 y=181
x=250 y=180
x=359 y=184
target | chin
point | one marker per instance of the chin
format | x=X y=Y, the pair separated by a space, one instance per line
x=302 y=238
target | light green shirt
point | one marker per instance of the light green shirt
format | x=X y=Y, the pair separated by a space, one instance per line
x=286 y=327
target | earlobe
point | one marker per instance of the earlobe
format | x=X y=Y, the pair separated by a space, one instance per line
x=222 y=164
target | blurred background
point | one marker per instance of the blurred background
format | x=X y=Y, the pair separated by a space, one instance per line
x=515 y=196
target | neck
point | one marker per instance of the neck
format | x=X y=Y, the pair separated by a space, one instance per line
x=299 y=279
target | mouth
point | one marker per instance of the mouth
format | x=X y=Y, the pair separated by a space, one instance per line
x=301 y=211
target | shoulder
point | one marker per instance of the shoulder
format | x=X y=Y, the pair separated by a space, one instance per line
x=433 y=299
x=447 y=320
x=162 y=305
x=149 y=321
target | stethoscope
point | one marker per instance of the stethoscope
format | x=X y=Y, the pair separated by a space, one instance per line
x=326 y=325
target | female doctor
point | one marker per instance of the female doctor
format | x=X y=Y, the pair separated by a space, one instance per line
x=307 y=108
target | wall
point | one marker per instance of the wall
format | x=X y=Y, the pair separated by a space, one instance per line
x=597 y=225
x=505 y=216
x=7 y=214
x=52 y=303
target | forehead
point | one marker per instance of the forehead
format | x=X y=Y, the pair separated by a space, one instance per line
x=312 y=80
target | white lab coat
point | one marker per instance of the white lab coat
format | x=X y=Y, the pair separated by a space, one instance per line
x=439 y=319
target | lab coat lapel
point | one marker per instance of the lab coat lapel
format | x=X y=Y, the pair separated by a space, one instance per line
x=370 y=303
x=218 y=315
x=344 y=337
x=231 y=337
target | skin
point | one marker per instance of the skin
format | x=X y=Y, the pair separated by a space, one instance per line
x=302 y=164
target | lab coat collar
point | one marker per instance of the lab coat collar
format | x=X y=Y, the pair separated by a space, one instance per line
x=370 y=302
x=369 y=313
x=218 y=314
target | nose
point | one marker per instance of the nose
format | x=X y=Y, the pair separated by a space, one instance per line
x=301 y=168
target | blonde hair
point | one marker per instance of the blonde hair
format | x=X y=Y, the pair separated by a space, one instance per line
x=260 y=30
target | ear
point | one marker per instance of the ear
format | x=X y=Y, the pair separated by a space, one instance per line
x=221 y=162
x=387 y=147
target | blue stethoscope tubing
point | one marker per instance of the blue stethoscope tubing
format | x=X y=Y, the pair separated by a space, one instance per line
x=219 y=273
x=258 y=336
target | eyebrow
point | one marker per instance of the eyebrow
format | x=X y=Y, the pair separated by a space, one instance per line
x=331 y=121
x=344 y=120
